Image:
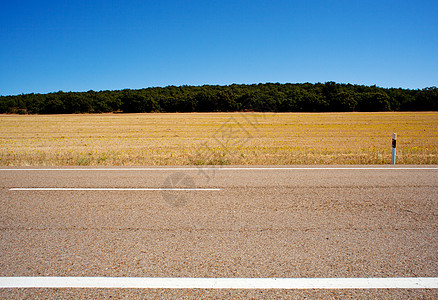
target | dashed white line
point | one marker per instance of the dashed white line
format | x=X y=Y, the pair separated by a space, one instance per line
x=219 y=283
x=114 y=189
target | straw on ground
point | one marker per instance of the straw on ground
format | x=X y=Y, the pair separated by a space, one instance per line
x=217 y=138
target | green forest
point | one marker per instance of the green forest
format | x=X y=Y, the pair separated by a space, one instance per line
x=266 y=97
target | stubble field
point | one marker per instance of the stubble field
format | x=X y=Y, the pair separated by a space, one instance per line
x=217 y=138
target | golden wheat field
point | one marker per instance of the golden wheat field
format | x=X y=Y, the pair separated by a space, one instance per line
x=217 y=138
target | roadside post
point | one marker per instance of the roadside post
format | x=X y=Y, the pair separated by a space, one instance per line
x=394 y=145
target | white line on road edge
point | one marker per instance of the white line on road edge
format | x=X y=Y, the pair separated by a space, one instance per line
x=114 y=189
x=220 y=283
x=224 y=169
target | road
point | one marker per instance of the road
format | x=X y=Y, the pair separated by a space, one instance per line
x=229 y=222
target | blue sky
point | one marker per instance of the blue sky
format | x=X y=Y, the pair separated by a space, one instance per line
x=84 y=45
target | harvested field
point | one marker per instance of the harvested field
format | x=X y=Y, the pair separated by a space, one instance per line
x=217 y=138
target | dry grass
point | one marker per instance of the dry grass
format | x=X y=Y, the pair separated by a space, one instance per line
x=219 y=138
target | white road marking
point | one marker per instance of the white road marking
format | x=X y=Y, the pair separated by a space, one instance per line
x=114 y=189
x=222 y=169
x=219 y=283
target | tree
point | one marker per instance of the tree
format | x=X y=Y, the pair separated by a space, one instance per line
x=375 y=102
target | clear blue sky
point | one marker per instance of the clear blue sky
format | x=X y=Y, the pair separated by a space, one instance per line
x=85 y=45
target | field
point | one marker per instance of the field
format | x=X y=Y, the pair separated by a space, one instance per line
x=217 y=138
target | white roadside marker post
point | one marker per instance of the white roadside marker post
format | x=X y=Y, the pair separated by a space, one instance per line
x=394 y=145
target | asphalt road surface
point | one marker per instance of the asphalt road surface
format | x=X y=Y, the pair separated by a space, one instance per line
x=234 y=222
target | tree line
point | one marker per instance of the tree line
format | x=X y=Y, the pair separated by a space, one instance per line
x=275 y=97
